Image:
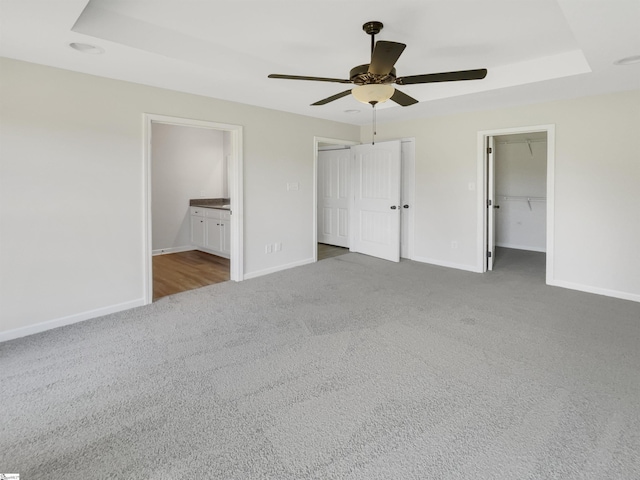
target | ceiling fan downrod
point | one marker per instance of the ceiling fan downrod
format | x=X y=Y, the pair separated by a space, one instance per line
x=372 y=28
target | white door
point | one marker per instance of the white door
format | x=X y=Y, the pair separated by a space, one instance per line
x=491 y=200
x=333 y=196
x=375 y=213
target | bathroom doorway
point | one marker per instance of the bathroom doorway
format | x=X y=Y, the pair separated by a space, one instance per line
x=230 y=139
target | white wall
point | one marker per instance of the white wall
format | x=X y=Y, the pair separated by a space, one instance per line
x=71 y=190
x=521 y=190
x=597 y=173
x=186 y=163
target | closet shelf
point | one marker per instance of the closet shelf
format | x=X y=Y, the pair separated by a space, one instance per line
x=522 y=198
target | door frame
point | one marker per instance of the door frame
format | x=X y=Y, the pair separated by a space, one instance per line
x=316 y=145
x=235 y=185
x=408 y=194
x=483 y=194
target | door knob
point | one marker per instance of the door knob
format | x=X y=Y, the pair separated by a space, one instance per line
x=405 y=206
x=393 y=207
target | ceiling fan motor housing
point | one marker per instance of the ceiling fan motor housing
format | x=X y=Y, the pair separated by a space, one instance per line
x=360 y=75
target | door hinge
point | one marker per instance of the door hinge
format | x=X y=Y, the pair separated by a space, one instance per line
x=488 y=254
x=489 y=150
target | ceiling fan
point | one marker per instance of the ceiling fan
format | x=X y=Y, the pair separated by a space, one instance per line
x=373 y=80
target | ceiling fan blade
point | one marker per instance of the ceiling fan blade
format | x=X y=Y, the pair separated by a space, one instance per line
x=403 y=99
x=443 y=77
x=332 y=98
x=385 y=55
x=317 y=79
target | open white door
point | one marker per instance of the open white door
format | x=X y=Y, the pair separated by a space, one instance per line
x=491 y=200
x=334 y=182
x=375 y=212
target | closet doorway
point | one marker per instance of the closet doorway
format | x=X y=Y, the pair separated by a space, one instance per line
x=518 y=200
x=335 y=202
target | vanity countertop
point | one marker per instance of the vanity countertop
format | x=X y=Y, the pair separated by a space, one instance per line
x=217 y=203
x=217 y=207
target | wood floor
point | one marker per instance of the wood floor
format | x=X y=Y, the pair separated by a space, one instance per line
x=179 y=272
x=328 y=251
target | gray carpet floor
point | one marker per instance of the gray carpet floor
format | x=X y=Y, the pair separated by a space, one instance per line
x=350 y=368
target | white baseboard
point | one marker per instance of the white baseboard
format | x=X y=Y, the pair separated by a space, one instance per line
x=165 y=251
x=212 y=252
x=279 y=268
x=522 y=247
x=440 y=263
x=598 y=291
x=68 y=320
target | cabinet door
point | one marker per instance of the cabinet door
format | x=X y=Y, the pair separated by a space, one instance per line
x=226 y=236
x=214 y=234
x=197 y=231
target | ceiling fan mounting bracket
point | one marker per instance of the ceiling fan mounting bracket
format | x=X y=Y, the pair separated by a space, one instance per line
x=372 y=28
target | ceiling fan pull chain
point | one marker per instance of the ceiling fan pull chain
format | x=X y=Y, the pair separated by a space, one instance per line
x=373 y=139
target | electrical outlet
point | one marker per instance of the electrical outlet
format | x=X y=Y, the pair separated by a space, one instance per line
x=277 y=247
x=454 y=244
x=268 y=248
x=293 y=186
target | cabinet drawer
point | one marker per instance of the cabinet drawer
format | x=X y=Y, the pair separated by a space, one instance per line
x=217 y=213
x=197 y=211
x=212 y=213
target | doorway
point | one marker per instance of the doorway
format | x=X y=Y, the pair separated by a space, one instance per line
x=517 y=168
x=233 y=161
x=336 y=162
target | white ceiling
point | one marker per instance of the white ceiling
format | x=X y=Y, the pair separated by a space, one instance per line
x=535 y=50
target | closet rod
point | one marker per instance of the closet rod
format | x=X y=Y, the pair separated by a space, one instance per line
x=522 y=197
x=337 y=147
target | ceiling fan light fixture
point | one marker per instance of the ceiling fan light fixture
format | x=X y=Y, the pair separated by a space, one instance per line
x=373 y=93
